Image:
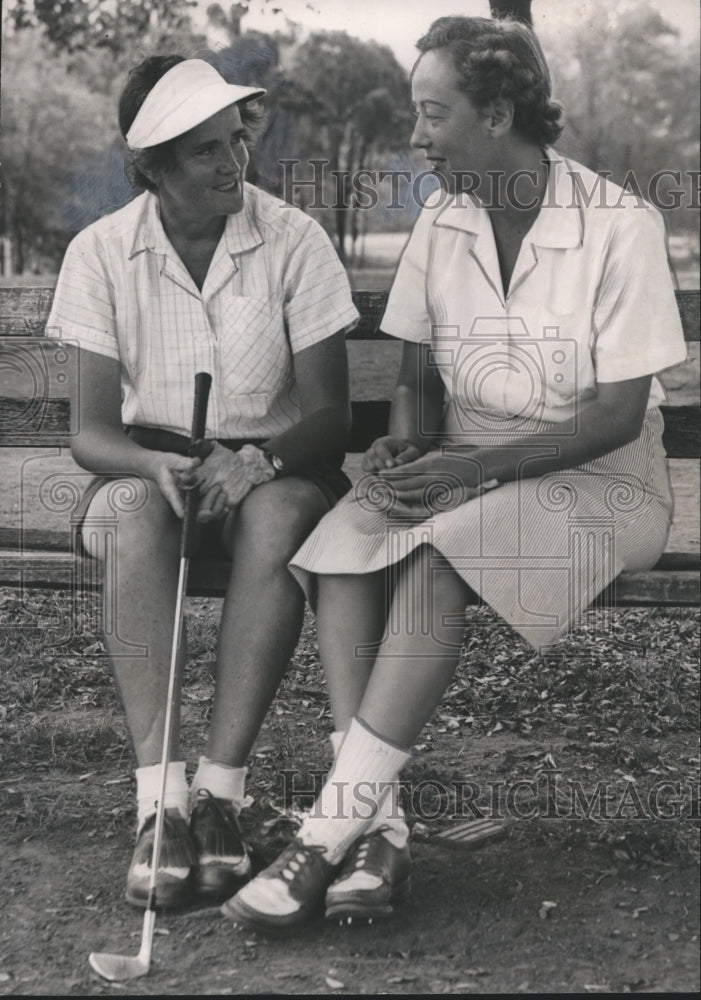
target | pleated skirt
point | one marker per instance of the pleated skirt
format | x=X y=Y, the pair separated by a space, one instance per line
x=538 y=551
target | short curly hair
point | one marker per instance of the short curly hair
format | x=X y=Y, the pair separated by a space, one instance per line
x=141 y=164
x=500 y=58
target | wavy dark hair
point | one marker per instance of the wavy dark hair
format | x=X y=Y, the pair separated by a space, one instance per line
x=500 y=58
x=141 y=164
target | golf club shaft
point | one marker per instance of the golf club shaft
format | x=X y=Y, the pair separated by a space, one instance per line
x=203 y=381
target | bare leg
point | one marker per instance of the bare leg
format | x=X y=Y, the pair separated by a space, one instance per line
x=419 y=655
x=351 y=616
x=139 y=544
x=263 y=611
x=416 y=661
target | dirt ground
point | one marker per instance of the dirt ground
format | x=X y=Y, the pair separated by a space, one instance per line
x=533 y=913
x=555 y=907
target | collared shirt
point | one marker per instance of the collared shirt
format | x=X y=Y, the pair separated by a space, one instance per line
x=274 y=287
x=590 y=299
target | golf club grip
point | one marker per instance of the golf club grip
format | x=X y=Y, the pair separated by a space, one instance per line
x=203 y=382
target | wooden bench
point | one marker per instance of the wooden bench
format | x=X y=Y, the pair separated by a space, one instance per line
x=35 y=413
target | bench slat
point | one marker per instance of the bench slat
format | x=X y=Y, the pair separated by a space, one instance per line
x=39 y=541
x=44 y=422
x=25 y=309
x=208 y=578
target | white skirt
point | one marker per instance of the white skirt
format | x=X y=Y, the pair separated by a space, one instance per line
x=537 y=551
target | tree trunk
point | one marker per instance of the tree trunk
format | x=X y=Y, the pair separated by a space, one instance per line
x=339 y=210
x=520 y=9
x=18 y=247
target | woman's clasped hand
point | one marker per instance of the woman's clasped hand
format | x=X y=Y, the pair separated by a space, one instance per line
x=224 y=478
x=412 y=485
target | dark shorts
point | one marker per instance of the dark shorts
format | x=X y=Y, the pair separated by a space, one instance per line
x=330 y=480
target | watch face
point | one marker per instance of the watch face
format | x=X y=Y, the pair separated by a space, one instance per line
x=274 y=461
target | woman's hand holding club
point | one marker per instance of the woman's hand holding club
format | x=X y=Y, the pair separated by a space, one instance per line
x=224 y=478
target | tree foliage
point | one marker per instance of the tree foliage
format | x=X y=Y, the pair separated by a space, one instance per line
x=630 y=92
x=631 y=96
x=46 y=144
x=520 y=9
x=355 y=98
x=114 y=25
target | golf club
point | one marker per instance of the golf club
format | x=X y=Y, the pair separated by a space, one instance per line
x=118 y=968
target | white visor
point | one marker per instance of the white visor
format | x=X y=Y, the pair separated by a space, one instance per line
x=187 y=95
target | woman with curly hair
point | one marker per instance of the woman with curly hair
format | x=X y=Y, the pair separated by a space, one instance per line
x=524 y=460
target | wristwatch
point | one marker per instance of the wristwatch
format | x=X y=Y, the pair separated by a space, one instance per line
x=275 y=461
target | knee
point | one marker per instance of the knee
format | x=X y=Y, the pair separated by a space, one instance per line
x=129 y=516
x=275 y=519
x=436 y=589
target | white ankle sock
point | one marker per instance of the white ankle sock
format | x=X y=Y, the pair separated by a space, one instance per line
x=148 y=788
x=390 y=815
x=349 y=800
x=223 y=781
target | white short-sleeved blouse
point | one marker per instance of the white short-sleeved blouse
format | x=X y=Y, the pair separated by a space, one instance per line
x=590 y=300
x=275 y=286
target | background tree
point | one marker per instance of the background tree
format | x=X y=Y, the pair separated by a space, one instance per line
x=355 y=98
x=631 y=96
x=630 y=91
x=45 y=142
x=114 y=25
x=520 y=9
x=62 y=159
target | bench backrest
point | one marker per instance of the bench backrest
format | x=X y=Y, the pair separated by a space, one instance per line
x=35 y=375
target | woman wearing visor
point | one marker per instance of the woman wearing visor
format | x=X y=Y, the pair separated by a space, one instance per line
x=524 y=460
x=202 y=272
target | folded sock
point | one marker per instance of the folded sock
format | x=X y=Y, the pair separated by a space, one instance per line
x=148 y=788
x=223 y=781
x=353 y=793
x=390 y=815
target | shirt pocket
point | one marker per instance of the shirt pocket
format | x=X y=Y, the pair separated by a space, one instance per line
x=249 y=407
x=254 y=353
x=564 y=353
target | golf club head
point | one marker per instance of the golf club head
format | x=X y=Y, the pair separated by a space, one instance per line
x=119 y=968
x=471 y=835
